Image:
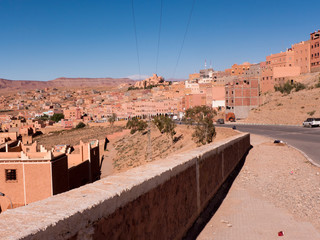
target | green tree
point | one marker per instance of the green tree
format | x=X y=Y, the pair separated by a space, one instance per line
x=136 y=125
x=112 y=119
x=44 y=117
x=165 y=125
x=57 y=117
x=201 y=117
x=80 y=125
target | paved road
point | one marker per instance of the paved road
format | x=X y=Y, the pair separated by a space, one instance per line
x=305 y=139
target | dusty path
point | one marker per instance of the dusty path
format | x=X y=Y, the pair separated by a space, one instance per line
x=276 y=190
x=110 y=153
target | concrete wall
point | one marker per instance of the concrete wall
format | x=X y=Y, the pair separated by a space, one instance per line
x=160 y=200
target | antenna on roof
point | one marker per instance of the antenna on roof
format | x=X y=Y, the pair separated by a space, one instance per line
x=205 y=64
x=210 y=64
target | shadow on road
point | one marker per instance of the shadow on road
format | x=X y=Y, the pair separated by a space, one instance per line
x=215 y=202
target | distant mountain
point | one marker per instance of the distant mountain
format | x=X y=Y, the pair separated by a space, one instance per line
x=20 y=84
x=6 y=84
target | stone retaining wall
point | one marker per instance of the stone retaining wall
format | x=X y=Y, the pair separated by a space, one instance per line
x=160 y=200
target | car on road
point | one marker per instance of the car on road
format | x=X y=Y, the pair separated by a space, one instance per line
x=311 y=122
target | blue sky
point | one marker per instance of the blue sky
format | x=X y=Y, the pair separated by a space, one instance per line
x=43 y=40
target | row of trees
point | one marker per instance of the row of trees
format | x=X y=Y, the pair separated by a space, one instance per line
x=55 y=117
x=200 y=117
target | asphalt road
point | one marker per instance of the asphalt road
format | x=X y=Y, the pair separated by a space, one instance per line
x=304 y=139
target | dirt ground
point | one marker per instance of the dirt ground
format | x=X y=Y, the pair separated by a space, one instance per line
x=291 y=109
x=129 y=151
x=276 y=190
x=72 y=137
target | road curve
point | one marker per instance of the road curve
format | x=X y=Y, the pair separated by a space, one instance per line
x=306 y=140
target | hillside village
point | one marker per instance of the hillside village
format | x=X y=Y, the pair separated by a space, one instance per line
x=246 y=90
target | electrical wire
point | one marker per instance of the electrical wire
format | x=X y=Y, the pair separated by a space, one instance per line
x=135 y=34
x=184 y=38
x=159 y=36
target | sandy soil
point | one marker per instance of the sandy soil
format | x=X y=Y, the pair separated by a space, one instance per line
x=72 y=137
x=276 y=190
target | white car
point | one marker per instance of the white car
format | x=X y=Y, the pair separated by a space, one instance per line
x=311 y=122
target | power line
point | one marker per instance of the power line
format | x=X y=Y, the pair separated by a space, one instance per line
x=135 y=34
x=159 y=36
x=184 y=37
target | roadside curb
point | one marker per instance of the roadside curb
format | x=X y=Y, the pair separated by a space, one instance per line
x=305 y=155
x=262 y=124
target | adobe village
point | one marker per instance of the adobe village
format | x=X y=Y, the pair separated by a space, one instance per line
x=122 y=147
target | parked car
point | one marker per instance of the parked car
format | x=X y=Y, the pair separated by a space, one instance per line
x=311 y=122
x=220 y=121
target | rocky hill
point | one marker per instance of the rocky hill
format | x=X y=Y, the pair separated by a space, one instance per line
x=10 y=85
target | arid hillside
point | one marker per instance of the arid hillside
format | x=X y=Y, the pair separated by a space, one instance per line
x=293 y=108
x=14 y=85
x=130 y=151
x=72 y=137
x=125 y=150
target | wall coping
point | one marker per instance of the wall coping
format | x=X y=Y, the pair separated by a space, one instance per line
x=65 y=214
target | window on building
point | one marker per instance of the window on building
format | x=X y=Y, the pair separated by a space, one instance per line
x=11 y=174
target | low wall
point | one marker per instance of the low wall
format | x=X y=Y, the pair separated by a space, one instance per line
x=160 y=200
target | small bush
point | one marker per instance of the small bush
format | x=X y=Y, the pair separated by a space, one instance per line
x=288 y=87
x=80 y=125
x=317 y=84
x=311 y=113
x=299 y=86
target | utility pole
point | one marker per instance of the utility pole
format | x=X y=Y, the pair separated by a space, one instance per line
x=149 y=147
